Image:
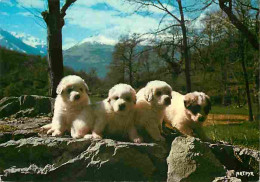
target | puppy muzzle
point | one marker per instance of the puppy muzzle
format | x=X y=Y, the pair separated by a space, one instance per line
x=122 y=107
x=74 y=96
x=201 y=119
x=77 y=97
x=167 y=101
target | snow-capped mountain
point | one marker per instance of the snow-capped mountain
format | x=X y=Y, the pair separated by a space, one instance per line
x=32 y=41
x=99 y=39
x=22 y=43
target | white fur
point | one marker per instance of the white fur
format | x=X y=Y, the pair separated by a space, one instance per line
x=150 y=107
x=182 y=118
x=70 y=108
x=110 y=117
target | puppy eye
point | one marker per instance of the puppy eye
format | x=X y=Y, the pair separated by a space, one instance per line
x=128 y=99
x=81 y=89
x=69 y=90
x=116 y=98
x=195 y=109
x=159 y=93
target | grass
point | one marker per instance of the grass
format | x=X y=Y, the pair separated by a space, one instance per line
x=234 y=131
x=218 y=109
x=7 y=128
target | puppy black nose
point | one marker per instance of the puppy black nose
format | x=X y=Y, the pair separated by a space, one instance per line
x=167 y=101
x=201 y=119
x=122 y=107
x=77 y=97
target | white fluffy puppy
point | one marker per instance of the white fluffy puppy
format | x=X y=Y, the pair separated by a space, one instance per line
x=187 y=112
x=115 y=115
x=150 y=106
x=69 y=108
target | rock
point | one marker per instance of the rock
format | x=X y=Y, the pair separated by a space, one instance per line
x=244 y=161
x=225 y=179
x=18 y=128
x=192 y=160
x=26 y=106
x=67 y=159
x=9 y=106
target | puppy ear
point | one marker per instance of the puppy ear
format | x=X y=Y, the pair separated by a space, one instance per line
x=110 y=93
x=60 y=88
x=188 y=100
x=133 y=95
x=148 y=94
x=208 y=106
x=86 y=87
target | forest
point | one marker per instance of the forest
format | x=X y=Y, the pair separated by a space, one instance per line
x=220 y=58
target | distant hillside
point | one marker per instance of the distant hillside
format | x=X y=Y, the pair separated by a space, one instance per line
x=93 y=52
x=22 y=74
x=22 y=43
x=87 y=56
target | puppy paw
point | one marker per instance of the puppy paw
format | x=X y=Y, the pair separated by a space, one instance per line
x=88 y=136
x=46 y=127
x=56 y=133
x=96 y=136
x=138 y=140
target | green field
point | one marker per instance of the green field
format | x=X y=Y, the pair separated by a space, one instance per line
x=218 y=109
x=243 y=133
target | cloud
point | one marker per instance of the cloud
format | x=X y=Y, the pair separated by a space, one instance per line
x=7 y=2
x=68 y=43
x=25 y=14
x=38 y=4
x=115 y=22
x=4 y=13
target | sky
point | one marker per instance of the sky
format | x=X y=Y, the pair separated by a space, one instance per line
x=106 y=20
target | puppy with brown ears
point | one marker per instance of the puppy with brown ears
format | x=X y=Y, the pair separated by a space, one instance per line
x=150 y=106
x=69 y=108
x=115 y=115
x=187 y=113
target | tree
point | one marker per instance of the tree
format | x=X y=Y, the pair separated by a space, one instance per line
x=124 y=55
x=228 y=9
x=181 y=22
x=54 y=19
x=168 y=53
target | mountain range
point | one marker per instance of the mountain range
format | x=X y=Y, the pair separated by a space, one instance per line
x=22 y=43
x=91 y=53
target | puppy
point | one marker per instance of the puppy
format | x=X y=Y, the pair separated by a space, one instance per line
x=150 y=106
x=115 y=115
x=187 y=113
x=69 y=109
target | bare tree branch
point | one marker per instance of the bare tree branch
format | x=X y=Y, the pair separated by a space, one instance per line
x=238 y=24
x=64 y=8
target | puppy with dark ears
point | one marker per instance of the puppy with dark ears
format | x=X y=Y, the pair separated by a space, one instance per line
x=187 y=113
x=70 y=104
x=150 y=106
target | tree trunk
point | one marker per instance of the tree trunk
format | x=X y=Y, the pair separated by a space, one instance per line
x=185 y=48
x=224 y=83
x=54 y=39
x=238 y=24
x=130 y=66
x=250 y=112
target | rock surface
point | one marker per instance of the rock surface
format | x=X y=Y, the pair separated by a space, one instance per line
x=26 y=105
x=67 y=159
x=192 y=160
x=26 y=155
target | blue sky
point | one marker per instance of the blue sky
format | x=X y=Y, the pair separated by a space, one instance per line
x=99 y=18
